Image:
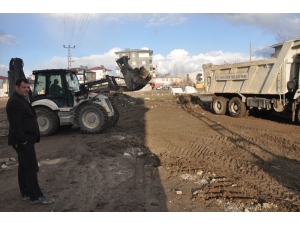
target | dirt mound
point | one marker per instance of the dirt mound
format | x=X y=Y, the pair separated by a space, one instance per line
x=166 y=153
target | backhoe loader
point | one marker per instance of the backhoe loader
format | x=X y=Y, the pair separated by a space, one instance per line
x=61 y=101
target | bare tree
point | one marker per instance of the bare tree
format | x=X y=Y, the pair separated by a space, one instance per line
x=280 y=36
x=182 y=69
x=175 y=70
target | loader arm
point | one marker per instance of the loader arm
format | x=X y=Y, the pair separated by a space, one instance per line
x=135 y=79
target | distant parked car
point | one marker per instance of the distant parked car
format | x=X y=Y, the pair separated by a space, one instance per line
x=159 y=88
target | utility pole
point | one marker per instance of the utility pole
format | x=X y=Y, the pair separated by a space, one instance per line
x=69 y=55
x=250 y=51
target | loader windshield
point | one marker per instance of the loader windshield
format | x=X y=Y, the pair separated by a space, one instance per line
x=72 y=81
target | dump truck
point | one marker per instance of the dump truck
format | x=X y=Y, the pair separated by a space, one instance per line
x=260 y=87
x=61 y=101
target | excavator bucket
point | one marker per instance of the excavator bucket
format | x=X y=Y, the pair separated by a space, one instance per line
x=16 y=72
x=135 y=79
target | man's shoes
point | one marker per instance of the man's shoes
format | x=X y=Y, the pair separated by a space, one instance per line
x=43 y=200
x=25 y=197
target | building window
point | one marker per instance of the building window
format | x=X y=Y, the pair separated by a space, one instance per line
x=133 y=63
x=117 y=56
x=133 y=55
x=143 y=54
x=150 y=61
x=143 y=62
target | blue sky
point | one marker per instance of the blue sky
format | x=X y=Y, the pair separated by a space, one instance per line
x=182 y=37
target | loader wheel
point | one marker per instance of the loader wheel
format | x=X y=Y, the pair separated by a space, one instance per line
x=115 y=118
x=92 y=118
x=297 y=116
x=48 y=121
x=219 y=105
x=236 y=107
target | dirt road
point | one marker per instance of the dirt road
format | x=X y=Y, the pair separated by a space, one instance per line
x=165 y=154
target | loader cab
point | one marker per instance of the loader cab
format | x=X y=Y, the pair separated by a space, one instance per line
x=55 y=85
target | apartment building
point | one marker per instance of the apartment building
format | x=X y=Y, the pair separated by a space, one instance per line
x=3 y=86
x=138 y=58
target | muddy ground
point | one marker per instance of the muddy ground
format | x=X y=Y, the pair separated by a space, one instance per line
x=166 y=154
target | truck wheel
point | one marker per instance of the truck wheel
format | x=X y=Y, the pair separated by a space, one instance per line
x=115 y=118
x=257 y=112
x=48 y=121
x=92 y=118
x=236 y=107
x=219 y=105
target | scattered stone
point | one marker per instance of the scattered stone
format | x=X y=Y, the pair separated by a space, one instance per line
x=179 y=192
x=12 y=159
x=200 y=173
x=4 y=160
x=126 y=154
x=4 y=166
x=8 y=163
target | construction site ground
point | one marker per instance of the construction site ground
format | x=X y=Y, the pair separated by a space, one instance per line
x=166 y=154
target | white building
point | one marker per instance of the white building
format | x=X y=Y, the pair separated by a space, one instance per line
x=3 y=86
x=100 y=71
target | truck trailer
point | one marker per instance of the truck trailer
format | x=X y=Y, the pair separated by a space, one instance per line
x=260 y=86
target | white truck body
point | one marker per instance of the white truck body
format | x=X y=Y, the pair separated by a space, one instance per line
x=271 y=84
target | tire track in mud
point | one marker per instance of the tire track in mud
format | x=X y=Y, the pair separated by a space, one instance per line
x=238 y=158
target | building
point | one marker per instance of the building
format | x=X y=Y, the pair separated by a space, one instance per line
x=100 y=71
x=89 y=75
x=165 y=81
x=138 y=58
x=3 y=86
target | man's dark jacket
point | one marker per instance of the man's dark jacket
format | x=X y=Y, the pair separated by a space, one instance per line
x=23 y=125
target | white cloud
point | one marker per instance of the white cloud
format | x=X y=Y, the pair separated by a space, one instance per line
x=287 y=24
x=7 y=38
x=3 y=70
x=264 y=51
x=150 y=19
x=177 y=61
x=181 y=62
x=107 y=60
x=162 y=19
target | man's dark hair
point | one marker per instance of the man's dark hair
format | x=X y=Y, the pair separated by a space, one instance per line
x=19 y=81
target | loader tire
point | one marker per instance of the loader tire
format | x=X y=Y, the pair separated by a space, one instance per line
x=236 y=107
x=297 y=116
x=92 y=118
x=219 y=105
x=115 y=118
x=48 y=121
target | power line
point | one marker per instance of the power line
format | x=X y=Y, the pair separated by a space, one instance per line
x=85 y=28
x=73 y=28
x=80 y=29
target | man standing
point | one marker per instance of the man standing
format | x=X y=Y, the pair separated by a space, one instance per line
x=23 y=134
